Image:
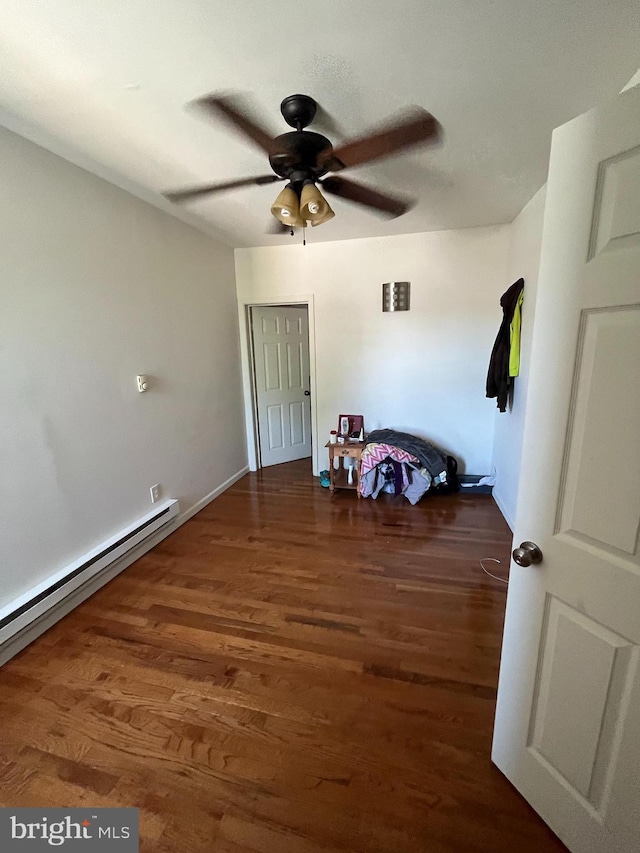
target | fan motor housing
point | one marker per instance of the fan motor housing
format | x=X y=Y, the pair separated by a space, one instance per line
x=298 y=151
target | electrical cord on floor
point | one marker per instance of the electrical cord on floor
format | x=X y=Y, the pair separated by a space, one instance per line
x=492 y=560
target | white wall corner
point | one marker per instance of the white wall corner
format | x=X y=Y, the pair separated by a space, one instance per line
x=503 y=509
x=202 y=503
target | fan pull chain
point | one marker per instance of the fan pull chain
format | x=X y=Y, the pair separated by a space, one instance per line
x=304 y=235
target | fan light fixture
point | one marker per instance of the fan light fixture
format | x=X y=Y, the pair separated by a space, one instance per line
x=313 y=205
x=286 y=208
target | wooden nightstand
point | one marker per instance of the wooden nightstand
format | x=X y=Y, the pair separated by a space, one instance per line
x=338 y=479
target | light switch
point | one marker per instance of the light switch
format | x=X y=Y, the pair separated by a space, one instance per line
x=143 y=382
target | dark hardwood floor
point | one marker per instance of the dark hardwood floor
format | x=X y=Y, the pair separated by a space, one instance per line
x=287 y=673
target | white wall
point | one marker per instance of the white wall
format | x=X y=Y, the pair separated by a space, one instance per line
x=524 y=260
x=95 y=287
x=422 y=371
x=635 y=81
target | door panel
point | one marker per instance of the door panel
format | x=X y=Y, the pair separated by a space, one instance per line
x=294 y=325
x=582 y=657
x=296 y=421
x=567 y=730
x=272 y=367
x=270 y=325
x=280 y=338
x=295 y=366
x=608 y=339
x=616 y=220
x=275 y=427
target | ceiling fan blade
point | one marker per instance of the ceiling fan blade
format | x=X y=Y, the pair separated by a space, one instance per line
x=193 y=192
x=233 y=111
x=415 y=127
x=367 y=196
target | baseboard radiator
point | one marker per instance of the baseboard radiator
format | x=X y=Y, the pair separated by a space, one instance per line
x=90 y=571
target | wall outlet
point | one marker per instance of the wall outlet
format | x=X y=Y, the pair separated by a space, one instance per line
x=155 y=493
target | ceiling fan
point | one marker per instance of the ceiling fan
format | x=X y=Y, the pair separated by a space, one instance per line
x=304 y=158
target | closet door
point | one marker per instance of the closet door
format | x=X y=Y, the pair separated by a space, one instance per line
x=281 y=361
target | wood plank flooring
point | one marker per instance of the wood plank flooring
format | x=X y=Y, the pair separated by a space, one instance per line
x=287 y=673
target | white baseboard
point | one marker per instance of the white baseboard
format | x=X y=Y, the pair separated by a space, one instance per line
x=500 y=504
x=31 y=632
x=189 y=513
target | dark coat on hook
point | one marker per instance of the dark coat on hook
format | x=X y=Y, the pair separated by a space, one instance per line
x=498 y=379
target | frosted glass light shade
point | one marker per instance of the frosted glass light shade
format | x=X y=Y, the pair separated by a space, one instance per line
x=313 y=205
x=286 y=208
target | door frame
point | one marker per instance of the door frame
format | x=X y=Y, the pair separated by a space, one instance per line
x=248 y=371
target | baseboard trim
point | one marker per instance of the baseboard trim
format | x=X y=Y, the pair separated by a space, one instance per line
x=500 y=504
x=38 y=627
x=202 y=503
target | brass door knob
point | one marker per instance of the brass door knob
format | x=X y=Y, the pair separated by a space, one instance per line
x=527 y=554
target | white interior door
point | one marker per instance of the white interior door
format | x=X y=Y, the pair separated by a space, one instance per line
x=567 y=730
x=283 y=398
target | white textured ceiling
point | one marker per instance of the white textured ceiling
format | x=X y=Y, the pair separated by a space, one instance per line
x=104 y=84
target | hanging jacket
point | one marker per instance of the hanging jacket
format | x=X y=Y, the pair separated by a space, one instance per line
x=498 y=379
x=514 y=338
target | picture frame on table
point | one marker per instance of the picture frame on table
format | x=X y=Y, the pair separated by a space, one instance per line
x=356 y=423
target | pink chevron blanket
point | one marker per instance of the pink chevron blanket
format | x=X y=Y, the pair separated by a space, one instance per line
x=373 y=454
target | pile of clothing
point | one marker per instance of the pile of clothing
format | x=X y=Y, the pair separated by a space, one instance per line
x=403 y=464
